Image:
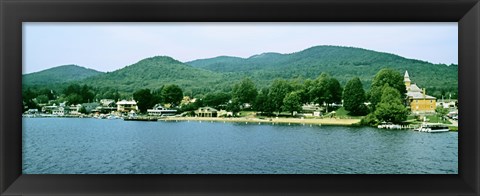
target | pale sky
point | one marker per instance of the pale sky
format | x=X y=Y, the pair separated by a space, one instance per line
x=111 y=46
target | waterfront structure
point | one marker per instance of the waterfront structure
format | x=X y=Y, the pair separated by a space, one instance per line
x=61 y=111
x=49 y=108
x=159 y=110
x=416 y=99
x=224 y=113
x=206 y=112
x=448 y=104
x=91 y=107
x=127 y=106
x=75 y=109
x=106 y=106
x=32 y=111
x=107 y=102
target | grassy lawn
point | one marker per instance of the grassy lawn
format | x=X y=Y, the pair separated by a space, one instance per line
x=339 y=113
x=342 y=113
x=246 y=113
x=436 y=119
x=453 y=128
x=411 y=117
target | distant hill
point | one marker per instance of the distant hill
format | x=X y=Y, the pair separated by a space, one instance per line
x=237 y=64
x=154 y=72
x=220 y=73
x=59 y=75
x=343 y=63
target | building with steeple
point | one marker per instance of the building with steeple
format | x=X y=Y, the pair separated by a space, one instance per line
x=417 y=99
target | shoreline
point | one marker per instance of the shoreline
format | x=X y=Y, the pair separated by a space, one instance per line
x=325 y=121
x=247 y=120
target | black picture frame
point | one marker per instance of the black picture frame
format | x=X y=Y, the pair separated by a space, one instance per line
x=14 y=12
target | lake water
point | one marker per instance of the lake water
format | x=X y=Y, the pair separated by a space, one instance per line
x=93 y=146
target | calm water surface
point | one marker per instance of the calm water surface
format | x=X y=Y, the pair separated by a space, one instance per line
x=93 y=146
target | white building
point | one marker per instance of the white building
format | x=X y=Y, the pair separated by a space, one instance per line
x=159 y=110
x=61 y=111
x=75 y=109
x=127 y=106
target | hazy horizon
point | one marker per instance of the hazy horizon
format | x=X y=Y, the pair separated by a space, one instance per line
x=108 y=47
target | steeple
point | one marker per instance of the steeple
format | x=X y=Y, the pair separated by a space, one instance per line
x=406 y=79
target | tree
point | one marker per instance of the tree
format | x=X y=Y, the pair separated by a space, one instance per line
x=441 y=112
x=74 y=98
x=172 y=94
x=157 y=94
x=144 y=98
x=263 y=103
x=244 y=92
x=354 y=97
x=292 y=102
x=47 y=92
x=386 y=76
x=82 y=110
x=86 y=94
x=319 y=90
x=76 y=94
x=233 y=106
x=391 y=108
x=334 y=90
x=306 y=88
x=326 y=90
x=279 y=89
x=42 y=99
x=216 y=99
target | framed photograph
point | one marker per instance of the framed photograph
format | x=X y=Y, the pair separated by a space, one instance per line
x=255 y=97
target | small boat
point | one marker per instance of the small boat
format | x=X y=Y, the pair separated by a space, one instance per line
x=385 y=125
x=432 y=128
x=139 y=119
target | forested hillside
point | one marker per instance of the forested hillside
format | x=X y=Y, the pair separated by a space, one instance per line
x=154 y=72
x=219 y=73
x=342 y=63
x=59 y=75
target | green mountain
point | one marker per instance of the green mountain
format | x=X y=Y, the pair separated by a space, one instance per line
x=342 y=63
x=58 y=75
x=154 y=72
x=220 y=73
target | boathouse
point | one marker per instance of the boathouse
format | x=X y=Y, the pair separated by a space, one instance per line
x=206 y=112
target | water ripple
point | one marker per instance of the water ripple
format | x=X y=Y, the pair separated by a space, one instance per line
x=91 y=146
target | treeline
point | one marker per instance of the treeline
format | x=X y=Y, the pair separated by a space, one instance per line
x=72 y=94
x=383 y=102
x=170 y=94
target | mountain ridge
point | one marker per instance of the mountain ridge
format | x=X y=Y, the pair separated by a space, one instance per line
x=59 y=74
x=218 y=73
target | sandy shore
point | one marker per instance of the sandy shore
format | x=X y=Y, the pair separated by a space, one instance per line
x=325 y=121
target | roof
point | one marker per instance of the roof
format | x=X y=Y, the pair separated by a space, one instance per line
x=406 y=77
x=418 y=95
x=207 y=108
x=415 y=92
x=414 y=88
x=123 y=102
